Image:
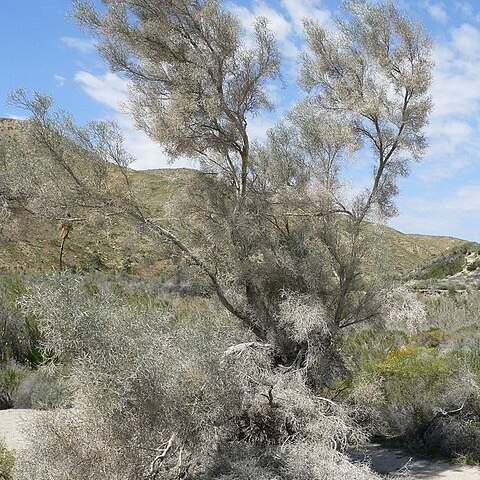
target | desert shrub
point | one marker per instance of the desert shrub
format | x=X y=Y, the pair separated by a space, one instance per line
x=158 y=396
x=42 y=389
x=418 y=391
x=418 y=380
x=7 y=461
x=451 y=313
x=19 y=336
x=14 y=331
x=409 y=372
x=403 y=310
x=11 y=375
x=456 y=434
x=449 y=266
x=368 y=345
x=472 y=266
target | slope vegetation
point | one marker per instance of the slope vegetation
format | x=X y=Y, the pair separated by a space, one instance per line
x=31 y=243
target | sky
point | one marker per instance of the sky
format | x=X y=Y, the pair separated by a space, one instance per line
x=43 y=49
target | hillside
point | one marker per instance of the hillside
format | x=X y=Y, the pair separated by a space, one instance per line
x=405 y=252
x=455 y=268
x=31 y=243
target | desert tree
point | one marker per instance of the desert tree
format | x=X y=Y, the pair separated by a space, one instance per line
x=275 y=223
x=367 y=87
x=195 y=85
x=272 y=226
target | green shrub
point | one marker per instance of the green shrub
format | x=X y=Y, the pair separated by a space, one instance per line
x=7 y=462
x=472 y=266
x=445 y=268
x=11 y=375
x=423 y=387
x=18 y=331
x=426 y=396
x=412 y=371
x=368 y=345
x=451 y=314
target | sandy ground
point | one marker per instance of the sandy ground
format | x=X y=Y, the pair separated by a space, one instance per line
x=397 y=463
x=14 y=425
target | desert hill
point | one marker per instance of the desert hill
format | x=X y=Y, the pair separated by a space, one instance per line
x=31 y=243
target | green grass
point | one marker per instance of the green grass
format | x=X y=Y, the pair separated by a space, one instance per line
x=444 y=269
x=7 y=462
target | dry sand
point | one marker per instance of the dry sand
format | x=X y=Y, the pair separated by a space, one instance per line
x=13 y=424
x=397 y=462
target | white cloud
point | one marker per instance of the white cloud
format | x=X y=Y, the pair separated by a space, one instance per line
x=454 y=131
x=59 y=80
x=466 y=199
x=82 y=45
x=276 y=22
x=466 y=8
x=468 y=11
x=299 y=10
x=258 y=126
x=148 y=154
x=455 y=214
x=286 y=21
x=466 y=39
x=287 y=24
x=112 y=91
x=109 y=89
x=437 y=11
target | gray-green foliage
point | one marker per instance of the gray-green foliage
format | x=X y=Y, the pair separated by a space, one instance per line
x=374 y=71
x=264 y=223
x=59 y=170
x=143 y=377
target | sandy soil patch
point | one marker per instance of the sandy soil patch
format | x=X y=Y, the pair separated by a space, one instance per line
x=14 y=426
x=396 y=463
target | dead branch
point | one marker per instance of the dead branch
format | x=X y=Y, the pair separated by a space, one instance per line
x=269 y=397
x=157 y=462
x=241 y=348
x=441 y=413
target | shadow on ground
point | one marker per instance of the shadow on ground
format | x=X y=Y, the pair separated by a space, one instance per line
x=397 y=463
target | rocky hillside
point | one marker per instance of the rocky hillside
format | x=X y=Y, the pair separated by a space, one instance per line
x=406 y=252
x=31 y=243
x=456 y=268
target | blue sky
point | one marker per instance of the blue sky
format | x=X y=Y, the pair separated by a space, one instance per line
x=43 y=49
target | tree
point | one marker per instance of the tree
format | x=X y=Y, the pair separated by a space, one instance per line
x=376 y=73
x=272 y=226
